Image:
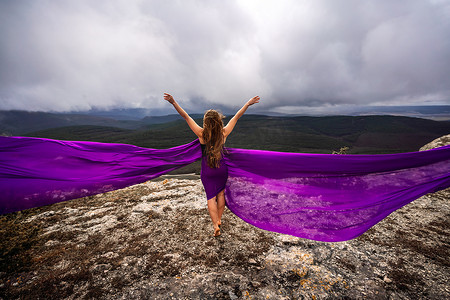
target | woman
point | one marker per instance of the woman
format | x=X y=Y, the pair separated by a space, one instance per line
x=212 y=137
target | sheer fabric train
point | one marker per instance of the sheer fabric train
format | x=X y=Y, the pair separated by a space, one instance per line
x=322 y=197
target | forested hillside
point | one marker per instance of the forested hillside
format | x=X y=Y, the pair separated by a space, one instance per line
x=362 y=134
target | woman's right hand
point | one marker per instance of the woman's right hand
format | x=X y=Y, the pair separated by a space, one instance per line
x=253 y=100
x=169 y=98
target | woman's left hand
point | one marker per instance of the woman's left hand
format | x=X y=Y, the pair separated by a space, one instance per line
x=169 y=98
x=253 y=100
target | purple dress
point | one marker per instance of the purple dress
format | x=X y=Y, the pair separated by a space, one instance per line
x=213 y=179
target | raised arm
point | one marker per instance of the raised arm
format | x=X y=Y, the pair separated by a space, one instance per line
x=230 y=126
x=192 y=124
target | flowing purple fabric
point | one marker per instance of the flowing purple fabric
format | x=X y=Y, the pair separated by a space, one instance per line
x=315 y=196
x=328 y=197
x=36 y=172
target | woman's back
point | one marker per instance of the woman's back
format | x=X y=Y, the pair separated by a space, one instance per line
x=213 y=137
x=214 y=172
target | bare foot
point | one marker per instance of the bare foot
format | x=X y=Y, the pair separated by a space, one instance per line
x=217 y=231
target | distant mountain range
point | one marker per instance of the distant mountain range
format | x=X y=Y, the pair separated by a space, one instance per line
x=437 y=112
x=362 y=134
x=15 y=122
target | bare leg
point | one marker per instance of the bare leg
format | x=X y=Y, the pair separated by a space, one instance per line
x=220 y=205
x=213 y=212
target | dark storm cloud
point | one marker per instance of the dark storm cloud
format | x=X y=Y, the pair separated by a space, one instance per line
x=75 y=55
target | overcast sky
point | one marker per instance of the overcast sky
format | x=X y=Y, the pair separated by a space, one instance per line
x=297 y=55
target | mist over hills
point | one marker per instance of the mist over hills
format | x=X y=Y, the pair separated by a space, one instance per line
x=434 y=112
x=15 y=122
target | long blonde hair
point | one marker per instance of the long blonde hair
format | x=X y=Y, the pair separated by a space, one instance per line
x=213 y=137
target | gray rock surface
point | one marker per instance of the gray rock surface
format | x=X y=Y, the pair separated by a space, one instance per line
x=154 y=241
x=439 y=142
